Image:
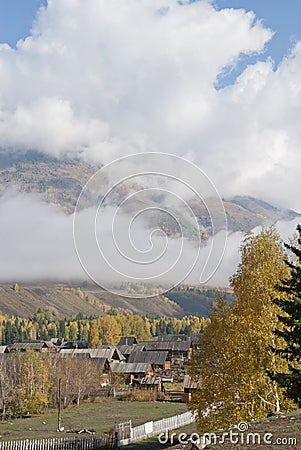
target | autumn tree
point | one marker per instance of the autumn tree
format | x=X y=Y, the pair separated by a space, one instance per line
x=29 y=372
x=140 y=328
x=235 y=350
x=73 y=331
x=6 y=386
x=79 y=379
x=93 y=335
x=196 y=325
x=104 y=330
x=109 y=330
x=16 y=287
x=290 y=319
x=85 y=379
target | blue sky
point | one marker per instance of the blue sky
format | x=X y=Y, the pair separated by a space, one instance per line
x=16 y=17
x=282 y=16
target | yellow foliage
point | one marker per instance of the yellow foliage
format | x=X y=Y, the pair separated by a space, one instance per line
x=235 y=353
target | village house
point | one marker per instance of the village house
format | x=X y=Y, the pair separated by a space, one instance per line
x=176 y=349
x=151 y=383
x=4 y=352
x=158 y=359
x=108 y=353
x=37 y=346
x=127 y=340
x=193 y=337
x=132 y=371
x=189 y=386
x=62 y=344
x=126 y=350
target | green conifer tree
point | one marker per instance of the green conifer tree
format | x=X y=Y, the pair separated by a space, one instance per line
x=291 y=319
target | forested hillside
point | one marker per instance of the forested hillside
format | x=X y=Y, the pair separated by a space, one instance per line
x=106 y=329
x=68 y=301
x=196 y=300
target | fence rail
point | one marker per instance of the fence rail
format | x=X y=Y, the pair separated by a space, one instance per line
x=128 y=435
x=72 y=443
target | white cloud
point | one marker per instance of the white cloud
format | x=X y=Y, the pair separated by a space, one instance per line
x=37 y=245
x=36 y=241
x=258 y=117
x=115 y=76
x=112 y=78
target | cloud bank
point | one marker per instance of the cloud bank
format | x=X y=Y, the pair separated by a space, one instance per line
x=110 y=78
x=37 y=245
x=114 y=77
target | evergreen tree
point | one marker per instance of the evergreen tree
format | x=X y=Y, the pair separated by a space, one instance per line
x=290 y=318
x=7 y=334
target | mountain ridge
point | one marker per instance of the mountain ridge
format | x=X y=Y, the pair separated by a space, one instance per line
x=59 y=182
x=69 y=300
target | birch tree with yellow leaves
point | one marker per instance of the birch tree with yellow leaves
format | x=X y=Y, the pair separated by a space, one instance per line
x=235 y=356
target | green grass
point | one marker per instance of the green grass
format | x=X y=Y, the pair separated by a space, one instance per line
x=174 y=386
x=99 y=416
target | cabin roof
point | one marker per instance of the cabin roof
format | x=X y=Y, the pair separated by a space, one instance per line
x=167 y=345
x=155 y=357
x=127 y=340
x=108 y=352
x=3 y=349
x=31 y=345
x=130 y=367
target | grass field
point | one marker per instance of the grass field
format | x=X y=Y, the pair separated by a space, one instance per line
x=99 y=416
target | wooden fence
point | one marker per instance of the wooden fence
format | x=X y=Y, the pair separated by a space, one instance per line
x=173 y=395
x=128 y=435
x=73 y=443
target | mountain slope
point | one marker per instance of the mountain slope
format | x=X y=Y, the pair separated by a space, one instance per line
x=59 y=182
x=68 y=301
x=65 y=300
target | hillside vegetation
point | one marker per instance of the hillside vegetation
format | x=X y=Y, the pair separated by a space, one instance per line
x=64 y=300
x=68 y=301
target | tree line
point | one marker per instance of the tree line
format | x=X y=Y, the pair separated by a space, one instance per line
x=106 y=329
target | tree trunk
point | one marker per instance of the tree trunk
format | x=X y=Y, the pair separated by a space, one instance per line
x=3 y=412
x=277 y=401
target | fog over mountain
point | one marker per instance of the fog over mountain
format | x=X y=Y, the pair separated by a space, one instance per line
x=114 y=78
x=36 y=226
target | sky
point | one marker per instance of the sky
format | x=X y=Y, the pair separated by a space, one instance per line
x=17 y=16
x=281 y=15
x=217 y=82
x=196 y=79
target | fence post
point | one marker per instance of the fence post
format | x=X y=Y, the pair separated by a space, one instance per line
x=131 y=429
